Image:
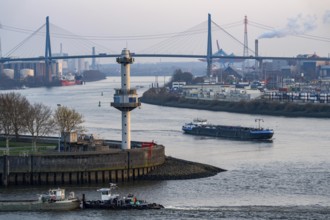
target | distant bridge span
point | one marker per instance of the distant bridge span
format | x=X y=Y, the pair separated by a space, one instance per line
x=260 y=58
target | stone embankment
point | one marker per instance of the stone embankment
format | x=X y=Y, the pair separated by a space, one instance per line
x=177 y=169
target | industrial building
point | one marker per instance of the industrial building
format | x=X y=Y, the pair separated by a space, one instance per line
x=38 y=68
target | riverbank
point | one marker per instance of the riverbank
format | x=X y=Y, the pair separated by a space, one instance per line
x=259 y=107
x=178 y=169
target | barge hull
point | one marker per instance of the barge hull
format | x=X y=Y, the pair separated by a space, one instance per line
x=231 y=133
x=36 y=205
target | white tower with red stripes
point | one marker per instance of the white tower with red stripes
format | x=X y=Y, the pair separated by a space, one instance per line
x=246 y=47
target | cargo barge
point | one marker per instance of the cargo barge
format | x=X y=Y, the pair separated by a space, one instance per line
x=201 y=127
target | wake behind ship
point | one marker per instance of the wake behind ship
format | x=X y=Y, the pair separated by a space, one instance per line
x=201 y=127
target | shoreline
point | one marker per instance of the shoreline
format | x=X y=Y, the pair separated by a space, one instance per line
x=256 y=107
x=179 y=169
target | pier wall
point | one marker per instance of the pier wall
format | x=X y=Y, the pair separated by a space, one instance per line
x=80 y=167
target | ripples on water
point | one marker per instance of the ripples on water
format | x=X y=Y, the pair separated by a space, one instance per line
x=288 y=178
x=240 y=212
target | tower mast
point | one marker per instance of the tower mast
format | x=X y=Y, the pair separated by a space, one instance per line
x=246 y=47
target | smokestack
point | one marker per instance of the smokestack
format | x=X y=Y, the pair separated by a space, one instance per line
x=93 y=59
x=256 y=47
x=256 y=50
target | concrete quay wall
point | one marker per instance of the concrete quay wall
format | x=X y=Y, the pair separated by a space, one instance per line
x=80 y=167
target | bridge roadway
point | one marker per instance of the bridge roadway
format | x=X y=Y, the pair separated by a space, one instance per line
x=260 y=58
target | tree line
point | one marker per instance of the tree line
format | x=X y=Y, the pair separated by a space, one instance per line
x=18 y=116
x=188 y=77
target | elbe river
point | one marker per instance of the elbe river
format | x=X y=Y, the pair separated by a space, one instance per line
x=288 y=178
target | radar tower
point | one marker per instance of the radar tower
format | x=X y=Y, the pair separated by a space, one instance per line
x=125 y=99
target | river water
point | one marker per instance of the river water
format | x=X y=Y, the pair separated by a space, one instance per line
x=288 y=178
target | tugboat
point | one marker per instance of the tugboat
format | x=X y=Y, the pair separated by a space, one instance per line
x=54 y=200
x=114 y=201
x=201 y=127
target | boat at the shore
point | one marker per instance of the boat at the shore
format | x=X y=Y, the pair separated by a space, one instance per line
x=54 y=200
x=201 y=127
x=114 y=201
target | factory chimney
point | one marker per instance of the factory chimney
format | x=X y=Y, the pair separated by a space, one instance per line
x=256 y=44
x=93 y=59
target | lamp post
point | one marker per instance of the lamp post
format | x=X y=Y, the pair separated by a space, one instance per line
x=59 y=137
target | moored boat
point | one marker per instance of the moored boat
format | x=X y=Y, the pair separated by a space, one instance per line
x=201 y=127
x=54 y=200
x=114 y=201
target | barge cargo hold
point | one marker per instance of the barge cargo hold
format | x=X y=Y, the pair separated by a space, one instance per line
x=201 y=127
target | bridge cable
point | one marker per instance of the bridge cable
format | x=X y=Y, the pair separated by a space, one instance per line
x=238 y=41
x=24 y=41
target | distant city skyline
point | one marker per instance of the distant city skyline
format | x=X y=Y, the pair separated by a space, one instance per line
x=308 y=19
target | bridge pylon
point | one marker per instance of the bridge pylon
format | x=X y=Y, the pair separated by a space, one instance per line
x=209 y=47
x=48 y=54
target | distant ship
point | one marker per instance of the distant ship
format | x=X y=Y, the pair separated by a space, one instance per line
x=69 y=80
x=201 y=127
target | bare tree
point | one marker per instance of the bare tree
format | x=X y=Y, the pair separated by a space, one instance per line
x=38 y=121
x=68 y=120
x=14 y=106
x=6 y=125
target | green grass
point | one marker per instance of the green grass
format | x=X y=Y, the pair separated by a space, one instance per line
x=21 y=148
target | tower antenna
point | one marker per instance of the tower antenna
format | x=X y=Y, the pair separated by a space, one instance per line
x=246 y=47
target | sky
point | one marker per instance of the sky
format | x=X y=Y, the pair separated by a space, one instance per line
x=284 y=18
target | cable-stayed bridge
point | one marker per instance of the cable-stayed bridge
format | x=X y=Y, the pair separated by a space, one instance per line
x=50 y=43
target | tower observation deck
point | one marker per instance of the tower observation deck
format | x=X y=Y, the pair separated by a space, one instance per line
x=125 y=99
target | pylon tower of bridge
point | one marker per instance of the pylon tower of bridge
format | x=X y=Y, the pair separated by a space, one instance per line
x=125 y=99
x=209 y=47
x=48 y=54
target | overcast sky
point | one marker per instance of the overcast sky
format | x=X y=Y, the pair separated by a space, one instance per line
x=150 y=17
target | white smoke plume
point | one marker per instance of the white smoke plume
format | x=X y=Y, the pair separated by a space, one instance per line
x=295 y=26
x=326 y=17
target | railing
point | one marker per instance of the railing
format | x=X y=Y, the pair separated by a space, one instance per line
x=125 y=92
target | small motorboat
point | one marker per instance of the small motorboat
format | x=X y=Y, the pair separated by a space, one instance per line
x=54 y=200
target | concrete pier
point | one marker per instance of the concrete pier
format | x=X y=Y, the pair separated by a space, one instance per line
x=80 y=167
